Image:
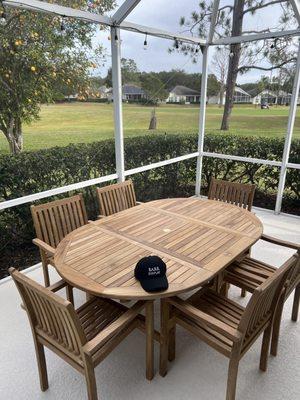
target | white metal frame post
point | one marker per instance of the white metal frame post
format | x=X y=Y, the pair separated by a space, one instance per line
x=202 y=114
x=289 y=134
x=117 y=99
x=202 y=120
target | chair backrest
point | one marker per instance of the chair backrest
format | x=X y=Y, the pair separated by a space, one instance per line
x=54 y=220
x=294 y=277
x=263 y=302
x=116 y=198
x=52 y=318
x=232 y=192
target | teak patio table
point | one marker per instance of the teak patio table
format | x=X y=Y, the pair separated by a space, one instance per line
x=196 y=238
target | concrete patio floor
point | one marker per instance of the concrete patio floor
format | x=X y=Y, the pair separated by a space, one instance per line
x=198 y=372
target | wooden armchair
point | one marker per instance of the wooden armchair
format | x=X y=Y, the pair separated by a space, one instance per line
x=232 y=192
x=115 y=198
x=52 y=222
x=82 y=337
x=249 y=273
x=223 y=324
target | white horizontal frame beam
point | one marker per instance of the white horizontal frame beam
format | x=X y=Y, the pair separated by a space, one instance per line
x=160 y=164
x=47 y=8
x=255 y=37
x=54 y=9
x=243 y=159
x=52 y=192
x=129 y=26
x=124 y=10
x=107 y=178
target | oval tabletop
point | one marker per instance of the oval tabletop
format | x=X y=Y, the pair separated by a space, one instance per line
x=196 y=238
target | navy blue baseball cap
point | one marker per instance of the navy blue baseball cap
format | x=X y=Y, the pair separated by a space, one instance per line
x=151 y=272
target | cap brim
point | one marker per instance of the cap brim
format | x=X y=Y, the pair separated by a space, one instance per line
x=155 y=285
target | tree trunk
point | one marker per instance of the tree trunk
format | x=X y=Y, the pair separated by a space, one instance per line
x=153 y=121
x=221 y=95
x=235 y=54
x=14 y=136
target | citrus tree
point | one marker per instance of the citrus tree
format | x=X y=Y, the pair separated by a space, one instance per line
x=41 y=55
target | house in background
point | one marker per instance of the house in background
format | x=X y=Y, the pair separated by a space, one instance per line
x=240 y=96
x=104 y=92
x=133 y=93
x=183 y=95
x=268 y=96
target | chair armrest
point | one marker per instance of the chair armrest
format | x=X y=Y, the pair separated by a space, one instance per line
x=117 y=326
x=205 y=320
x=57 y=286
x=280 y=242
x=44 y=246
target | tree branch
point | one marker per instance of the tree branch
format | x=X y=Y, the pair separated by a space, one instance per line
x=258 y=7
x=267 y=69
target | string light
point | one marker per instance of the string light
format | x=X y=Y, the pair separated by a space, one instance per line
x=176 y=43
x=145 y=42
x=231 y=54
x=116 y=38
x=3 y=20
x=62 y=25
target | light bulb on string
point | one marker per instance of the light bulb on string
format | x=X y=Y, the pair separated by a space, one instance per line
x=62 y=26
x=145 y=42
x=3 y=18
x=176 y=43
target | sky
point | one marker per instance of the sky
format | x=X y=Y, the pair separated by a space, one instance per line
x=165 y=14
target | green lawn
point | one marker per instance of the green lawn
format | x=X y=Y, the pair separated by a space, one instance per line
x=62 y=124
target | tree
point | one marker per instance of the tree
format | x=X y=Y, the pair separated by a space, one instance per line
x=154 y=88
x=220 y=63
x=231 y=22
x=130 y=73
x=42 y=55
x=213 y=85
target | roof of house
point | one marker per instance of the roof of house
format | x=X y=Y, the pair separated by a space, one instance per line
x=255 y=92
x=184 y=91
x=132 y=89
x=240 y=90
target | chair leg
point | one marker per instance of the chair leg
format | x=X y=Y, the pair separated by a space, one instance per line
x=172 y=344
x=89 y=373
x=265 y=348
x=70 y=295
x=42 y=366
x=225 y=289
x=45 y=267
x=243 y=293
x=233 y=371
x=276 y=328
x=296 y=304
x=149 y=340
x=164 y=337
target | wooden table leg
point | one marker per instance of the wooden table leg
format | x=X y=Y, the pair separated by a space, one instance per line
x=164 y=337
x=150 y=340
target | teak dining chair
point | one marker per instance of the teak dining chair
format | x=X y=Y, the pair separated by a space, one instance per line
x=249 y=273
x=223 y=324
x=239 y=194
x=52 y=222
x=82 y=337
x=115 y=198
x=232 y=192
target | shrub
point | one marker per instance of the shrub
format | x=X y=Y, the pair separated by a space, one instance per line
x=32 y=172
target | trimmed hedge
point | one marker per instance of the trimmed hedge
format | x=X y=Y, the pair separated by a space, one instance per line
x=32 y=172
